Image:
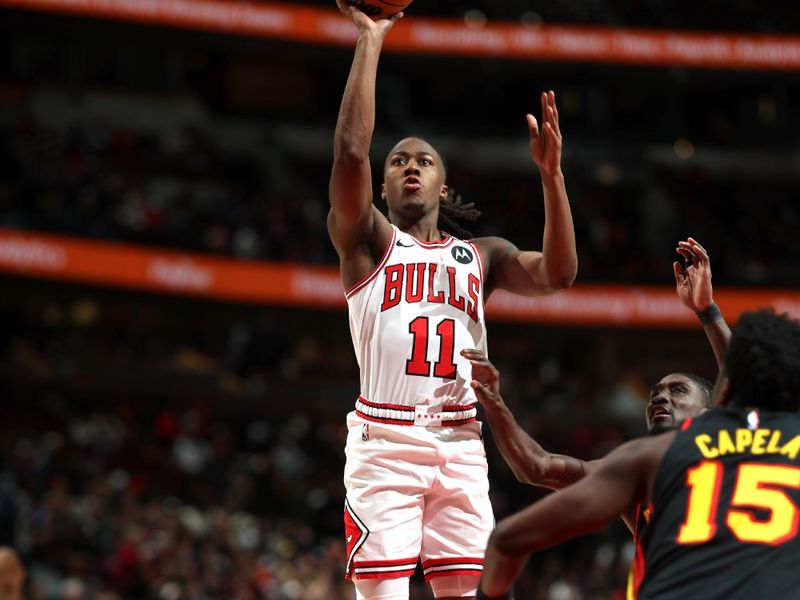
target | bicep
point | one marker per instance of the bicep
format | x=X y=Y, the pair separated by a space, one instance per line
x=514 y=270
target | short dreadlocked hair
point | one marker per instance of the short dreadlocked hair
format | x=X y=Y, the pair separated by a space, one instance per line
x=763 y=361
x=453 y=209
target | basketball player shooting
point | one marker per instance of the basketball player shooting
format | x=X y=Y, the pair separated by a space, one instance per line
x=416 y=284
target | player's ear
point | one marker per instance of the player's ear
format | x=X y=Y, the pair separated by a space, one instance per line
x=443 y=192
x=383 y=192
x=722 y=391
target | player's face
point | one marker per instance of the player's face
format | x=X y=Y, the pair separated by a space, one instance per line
x=673 y=399
x=413 y=178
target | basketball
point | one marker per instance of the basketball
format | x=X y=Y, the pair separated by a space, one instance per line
x=380 y=9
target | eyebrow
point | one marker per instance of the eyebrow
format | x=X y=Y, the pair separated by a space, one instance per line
x=404 y=153
x=659 y=386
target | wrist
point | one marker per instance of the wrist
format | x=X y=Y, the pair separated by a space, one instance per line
x=552 y=180
x=710 y=314
x=371 y=38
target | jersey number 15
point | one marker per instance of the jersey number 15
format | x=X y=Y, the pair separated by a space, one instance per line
x=758 y=486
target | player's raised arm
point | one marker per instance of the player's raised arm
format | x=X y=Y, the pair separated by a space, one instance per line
x=529 y=462
x=693 y=284
x=533 y=273
x=624 y=478
x=352 y=214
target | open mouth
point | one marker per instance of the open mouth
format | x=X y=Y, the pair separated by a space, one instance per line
x=659 y=414
x=412 y=184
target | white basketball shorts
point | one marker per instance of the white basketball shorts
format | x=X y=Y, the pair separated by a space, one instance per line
x=415 y=492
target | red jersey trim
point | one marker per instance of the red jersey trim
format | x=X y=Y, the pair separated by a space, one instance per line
x=408 y=408
x=364 y=534
x=448 y=567
x=442 y=243
x=384 y=569
x=389 y=406
x=372 y=274
x=386 y=563
x=438 y=562
x=410 y=422
x=383 y=575
x=479 y=254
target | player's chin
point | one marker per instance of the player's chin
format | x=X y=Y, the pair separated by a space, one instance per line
x=414 y=204
x=661 y=425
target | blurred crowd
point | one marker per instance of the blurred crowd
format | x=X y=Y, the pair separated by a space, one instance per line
x=178 y=188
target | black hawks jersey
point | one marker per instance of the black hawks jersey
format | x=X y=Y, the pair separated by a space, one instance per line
x=725 y=511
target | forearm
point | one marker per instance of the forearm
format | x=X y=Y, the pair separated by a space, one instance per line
x=356 y=121
x=717 y=332
x=559 y=261
x=523 y=454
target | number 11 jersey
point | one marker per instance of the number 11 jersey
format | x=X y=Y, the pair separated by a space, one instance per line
x=411 y=317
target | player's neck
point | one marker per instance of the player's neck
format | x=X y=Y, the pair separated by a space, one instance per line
x=425 y=229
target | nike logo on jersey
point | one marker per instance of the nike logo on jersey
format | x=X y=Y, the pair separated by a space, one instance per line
x=402 y=245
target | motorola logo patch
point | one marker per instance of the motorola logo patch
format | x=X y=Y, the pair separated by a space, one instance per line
x=462 y=255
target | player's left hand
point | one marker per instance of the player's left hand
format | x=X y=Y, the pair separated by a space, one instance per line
x=693 y=281
x=546 y=142
x=485 y=377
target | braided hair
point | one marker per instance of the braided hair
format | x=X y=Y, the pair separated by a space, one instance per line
x=453 y=209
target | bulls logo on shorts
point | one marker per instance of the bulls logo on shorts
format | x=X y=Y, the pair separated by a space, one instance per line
x=462 y=255
x=355 y=534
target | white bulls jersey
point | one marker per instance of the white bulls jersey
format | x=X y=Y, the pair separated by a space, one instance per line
x=411 y=317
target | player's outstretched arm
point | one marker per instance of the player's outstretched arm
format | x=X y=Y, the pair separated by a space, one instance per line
x=533 y=273
x=529 y=462
x=623 y=479
x=352 y=214
x=693 y=284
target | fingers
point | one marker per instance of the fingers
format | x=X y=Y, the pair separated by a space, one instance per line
x=533 y=126
x=478 y=360
x=551 y=102
x=473 y=353
x=678 y=270
x=696 y=250
x=687 y=255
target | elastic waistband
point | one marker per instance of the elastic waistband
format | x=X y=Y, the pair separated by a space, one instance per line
x=421 y=415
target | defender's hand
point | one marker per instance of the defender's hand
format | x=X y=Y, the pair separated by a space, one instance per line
x=485 y=377
x=546 y=143
x=693 y=281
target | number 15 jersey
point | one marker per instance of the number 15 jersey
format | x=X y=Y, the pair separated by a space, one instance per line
x=411 y=317
x=725 y=511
